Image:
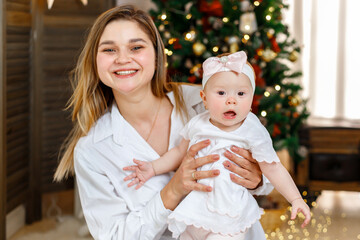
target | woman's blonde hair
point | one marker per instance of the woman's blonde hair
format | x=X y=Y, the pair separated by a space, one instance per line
x=91 y=98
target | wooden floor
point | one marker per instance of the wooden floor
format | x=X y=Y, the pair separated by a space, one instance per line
x=336 y=216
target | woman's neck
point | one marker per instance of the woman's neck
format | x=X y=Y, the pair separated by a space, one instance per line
x=137 y=108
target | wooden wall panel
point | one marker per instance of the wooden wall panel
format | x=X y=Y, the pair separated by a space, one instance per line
x=2 y=122
x=18 y=74
x=63 y=31
x=38 y=48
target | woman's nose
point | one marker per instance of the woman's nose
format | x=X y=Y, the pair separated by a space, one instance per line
x=122 y=58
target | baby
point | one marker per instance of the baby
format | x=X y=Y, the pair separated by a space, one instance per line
x=229 y=210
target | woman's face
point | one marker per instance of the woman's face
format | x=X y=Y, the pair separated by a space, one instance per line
x=126 y=58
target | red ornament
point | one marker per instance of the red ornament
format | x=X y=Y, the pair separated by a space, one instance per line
x=192 y=79
x=259 y=81
x=276 y=131
x=275 y=45
x=256 y=103
x=213 y=8
x=177 y=45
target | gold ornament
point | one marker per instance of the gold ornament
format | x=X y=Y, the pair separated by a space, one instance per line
x=198 y=48
x=267 y=55
x=294 y=101
x=293 y=56
x=234 y=47
x=278 y=106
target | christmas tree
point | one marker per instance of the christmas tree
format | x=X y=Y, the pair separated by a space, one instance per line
x=195 y=30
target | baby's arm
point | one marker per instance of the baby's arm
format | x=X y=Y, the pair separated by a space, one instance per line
x=143 y=171
x=171 y=160
x=282 y=181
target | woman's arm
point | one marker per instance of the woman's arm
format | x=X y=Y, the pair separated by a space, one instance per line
x=108 y=214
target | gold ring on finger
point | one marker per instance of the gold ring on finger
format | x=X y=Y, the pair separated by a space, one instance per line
x=193 y=175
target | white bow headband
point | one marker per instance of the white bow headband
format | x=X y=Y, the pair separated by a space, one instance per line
x=234 y=62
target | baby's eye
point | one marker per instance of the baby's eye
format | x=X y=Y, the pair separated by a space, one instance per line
x=221 y=93
x=241 y=93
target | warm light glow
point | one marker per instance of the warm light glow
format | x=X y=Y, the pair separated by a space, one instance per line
x=266 y=94
x=188 y=16
x=225 y=19
x=263 y=113
x=163 y=17
x=277 y=88
x=268 y=17
x=246 y=37
x=171 y=40
x=215 y=49
x=190 y=36
x=256 y=3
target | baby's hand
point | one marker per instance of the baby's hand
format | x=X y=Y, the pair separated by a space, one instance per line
x=298 y=205
x=143 y=171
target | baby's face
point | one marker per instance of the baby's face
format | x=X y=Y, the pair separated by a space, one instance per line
x=228 y=97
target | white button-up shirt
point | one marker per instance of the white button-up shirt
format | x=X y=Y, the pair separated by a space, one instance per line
x=111 y=209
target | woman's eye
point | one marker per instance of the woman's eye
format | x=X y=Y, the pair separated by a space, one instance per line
x=108 y=50
x=136 y=48
x=241 y=93
x=221 y=93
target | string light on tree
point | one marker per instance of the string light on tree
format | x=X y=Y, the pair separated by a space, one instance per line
x=163 y=17
x=190 y=36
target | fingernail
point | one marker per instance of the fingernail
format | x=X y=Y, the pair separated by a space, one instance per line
x=234 y=148
x=227 y=153
x=226 y=164
x=215 y=157
x=216 y=172
x=209 y=189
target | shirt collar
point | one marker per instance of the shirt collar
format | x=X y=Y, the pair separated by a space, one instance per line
x=113 y=123
x=110 y=124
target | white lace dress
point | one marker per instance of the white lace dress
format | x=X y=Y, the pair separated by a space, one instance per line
x=229 y=209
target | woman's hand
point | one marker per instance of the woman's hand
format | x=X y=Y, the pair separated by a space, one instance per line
x=184 y=179
x=246 y=167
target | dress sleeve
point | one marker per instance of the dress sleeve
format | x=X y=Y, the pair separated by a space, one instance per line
x=264 y=189
x=107 y=214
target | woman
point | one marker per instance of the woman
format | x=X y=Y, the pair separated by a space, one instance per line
x=121 y=104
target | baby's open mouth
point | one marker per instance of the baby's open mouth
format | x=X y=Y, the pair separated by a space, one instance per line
x=230 y=114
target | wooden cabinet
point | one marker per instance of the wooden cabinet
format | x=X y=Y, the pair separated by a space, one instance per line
x=333 y=159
